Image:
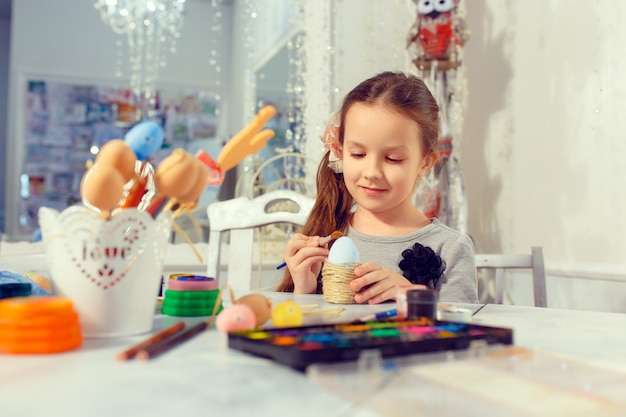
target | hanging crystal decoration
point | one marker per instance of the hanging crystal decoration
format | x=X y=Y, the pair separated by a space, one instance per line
x=294 y=168
x=149 y=26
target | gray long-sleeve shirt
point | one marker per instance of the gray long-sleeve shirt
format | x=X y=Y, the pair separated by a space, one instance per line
x=458 y=282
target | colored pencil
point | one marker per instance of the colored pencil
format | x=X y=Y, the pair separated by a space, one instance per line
x=131 y=352
x=156 y=349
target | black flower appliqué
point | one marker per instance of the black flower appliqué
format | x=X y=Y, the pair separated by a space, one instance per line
x=421 y=265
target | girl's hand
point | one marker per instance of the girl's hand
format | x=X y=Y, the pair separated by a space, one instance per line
x=304 y=258
x=375 y=284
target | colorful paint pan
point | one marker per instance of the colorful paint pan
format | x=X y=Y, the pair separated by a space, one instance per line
x=299 y=347
x=173 y=302
x=190 y=311
x=182 y=284
x=191 y=295
x=188 y=277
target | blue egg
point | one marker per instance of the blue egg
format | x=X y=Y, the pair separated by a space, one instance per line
x=344 y=250
x=145 y=139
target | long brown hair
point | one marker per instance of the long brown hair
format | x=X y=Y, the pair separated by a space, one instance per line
x=403 y=93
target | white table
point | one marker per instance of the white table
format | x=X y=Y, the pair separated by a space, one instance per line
x=199 y=377
x=597 y=337
x=204 y=377
x=564 y=363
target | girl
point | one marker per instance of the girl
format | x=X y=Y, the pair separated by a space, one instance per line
x=383 y=142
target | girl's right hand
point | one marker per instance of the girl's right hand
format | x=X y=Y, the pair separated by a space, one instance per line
x=304 y=258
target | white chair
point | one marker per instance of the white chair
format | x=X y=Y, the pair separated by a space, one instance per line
x=500 y=263
x=241 y=216
x=284 y=179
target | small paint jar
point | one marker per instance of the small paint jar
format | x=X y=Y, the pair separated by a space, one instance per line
x=421 y=303
x=401 y=304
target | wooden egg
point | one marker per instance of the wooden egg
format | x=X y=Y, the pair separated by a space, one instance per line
x=235 y=317
x=102 y=187
x=40 y=280
x=172 y=176
x=117 y=154
x=287 y=314
x=199 y=183
x=260 y=305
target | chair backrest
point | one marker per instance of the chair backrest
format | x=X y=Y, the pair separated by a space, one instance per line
x=240 y=216
x=247 y=185
x=500 y=263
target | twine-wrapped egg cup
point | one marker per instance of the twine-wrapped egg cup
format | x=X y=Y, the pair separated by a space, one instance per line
x=110 y=268
x=336 y=282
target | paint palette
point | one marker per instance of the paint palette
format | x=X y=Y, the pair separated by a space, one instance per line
x=299 y=347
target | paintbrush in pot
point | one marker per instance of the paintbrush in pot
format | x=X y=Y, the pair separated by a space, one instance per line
x=334 y=235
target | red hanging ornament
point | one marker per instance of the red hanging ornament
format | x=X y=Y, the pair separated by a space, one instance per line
x=431 y=202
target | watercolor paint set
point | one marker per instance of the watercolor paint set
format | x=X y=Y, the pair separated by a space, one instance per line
x=299 y=347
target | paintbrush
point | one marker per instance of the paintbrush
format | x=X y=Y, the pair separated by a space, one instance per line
x=334 y=235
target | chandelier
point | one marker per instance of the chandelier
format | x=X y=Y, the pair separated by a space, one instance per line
x=150 y=26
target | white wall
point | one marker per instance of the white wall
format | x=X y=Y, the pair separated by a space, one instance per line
x=544 y=134
x=369 y=37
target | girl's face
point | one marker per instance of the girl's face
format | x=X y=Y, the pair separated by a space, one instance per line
x=382 y=158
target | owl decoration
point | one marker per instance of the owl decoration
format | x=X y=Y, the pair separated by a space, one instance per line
x=436 y=34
